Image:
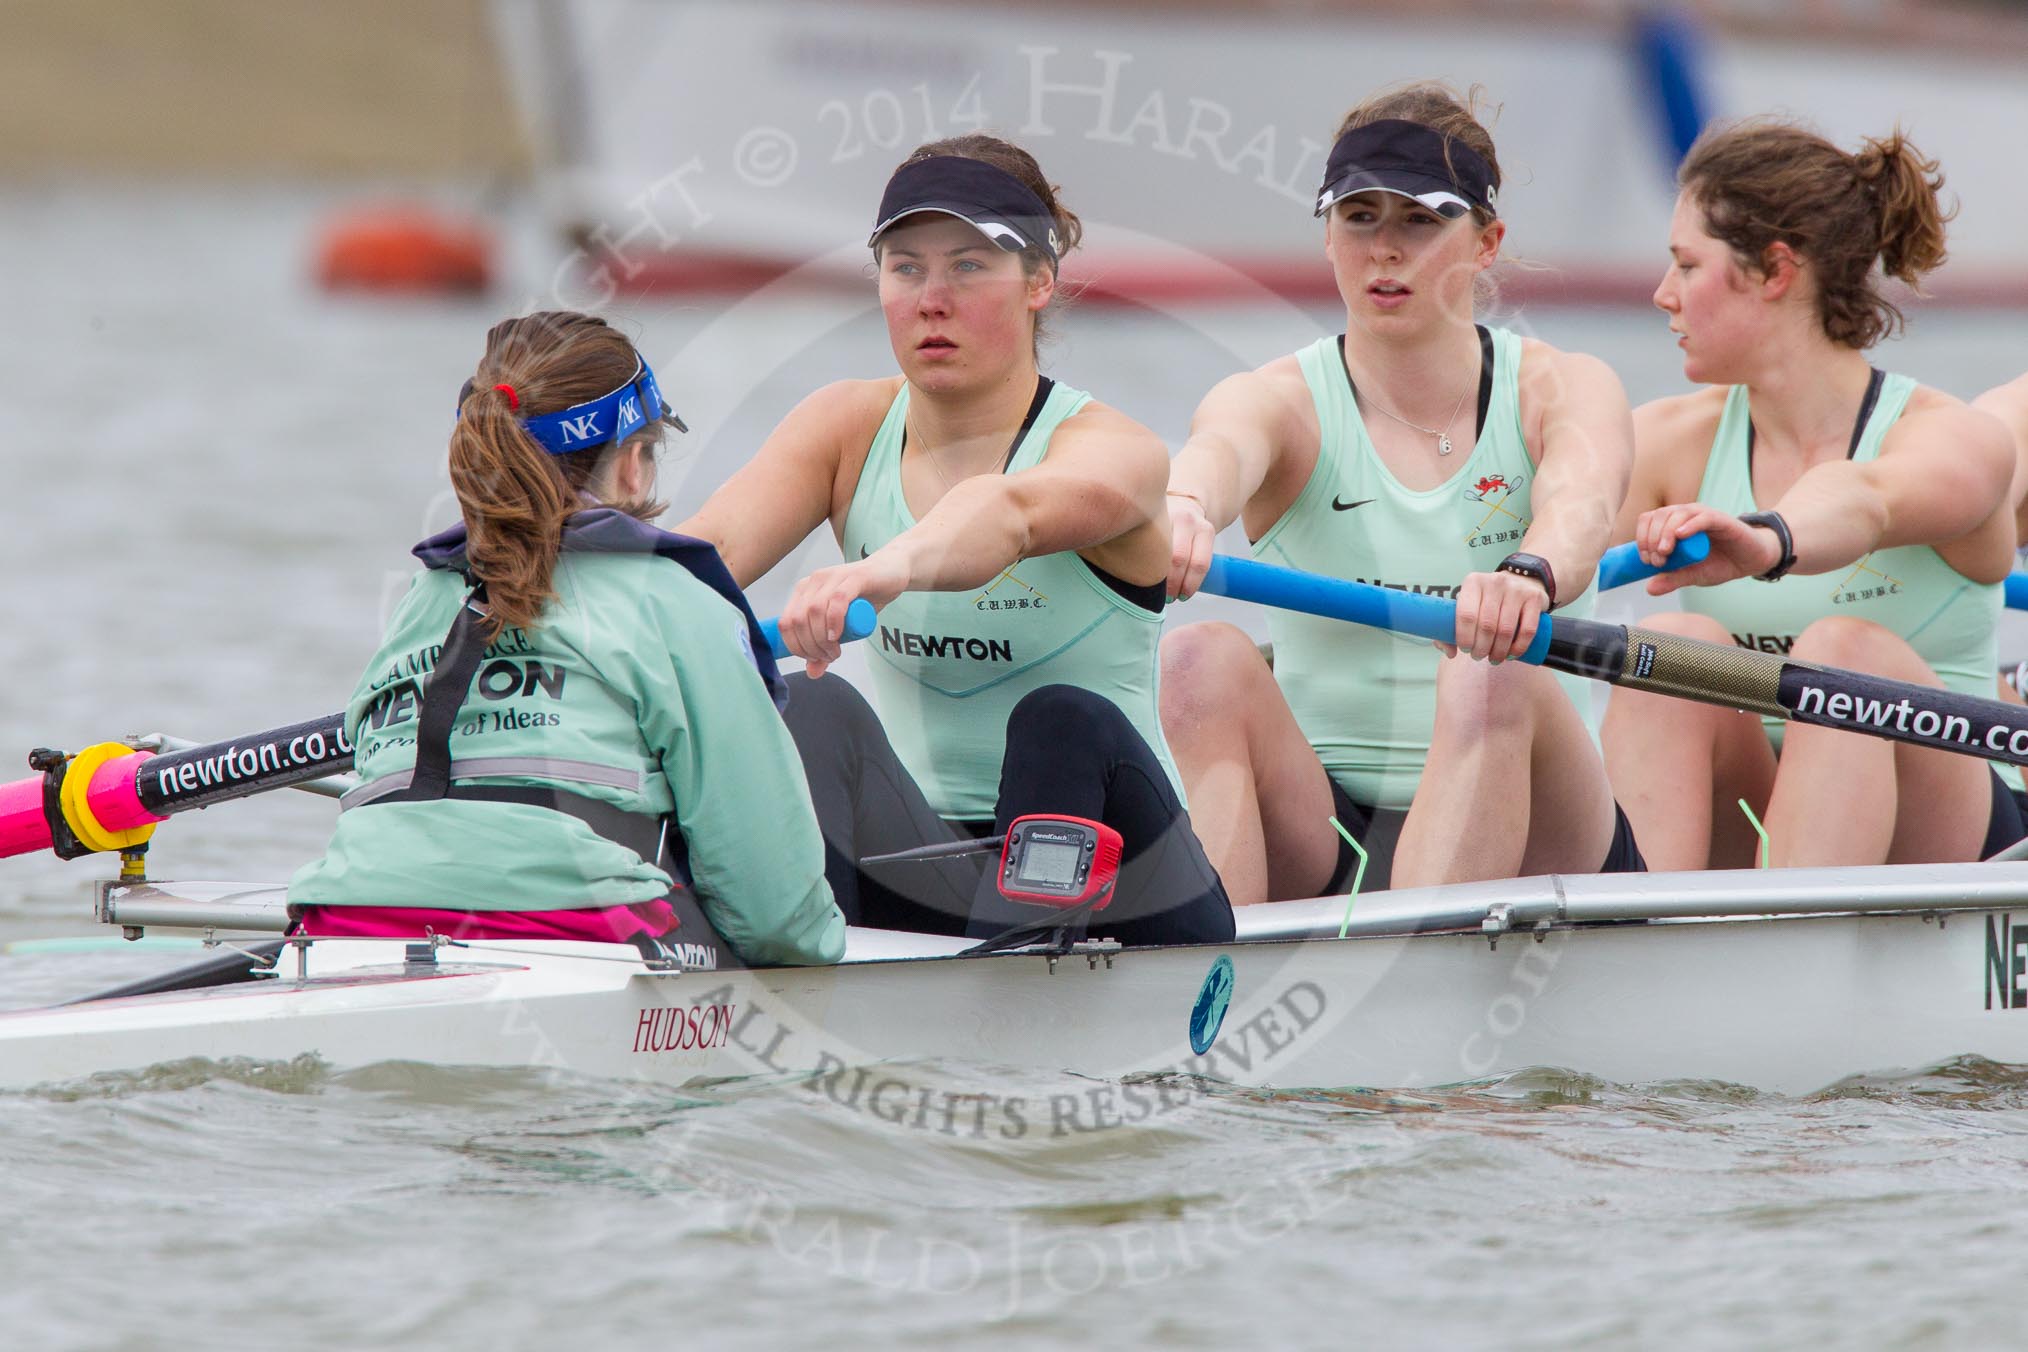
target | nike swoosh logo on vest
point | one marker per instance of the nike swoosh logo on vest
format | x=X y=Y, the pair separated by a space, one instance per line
x=1338 y=506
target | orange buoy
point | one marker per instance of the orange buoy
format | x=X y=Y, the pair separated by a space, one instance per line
x=405 y=249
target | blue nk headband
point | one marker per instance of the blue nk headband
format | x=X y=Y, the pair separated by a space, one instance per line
x=606 y=420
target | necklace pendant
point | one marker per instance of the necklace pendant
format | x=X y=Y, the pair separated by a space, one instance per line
x=1443 y=445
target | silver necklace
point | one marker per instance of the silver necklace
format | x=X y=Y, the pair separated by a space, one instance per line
x=935 y=463
x=1442 y=434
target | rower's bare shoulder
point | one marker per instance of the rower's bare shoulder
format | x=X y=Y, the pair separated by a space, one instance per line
x=2008 y=403
x=1672 y=446
x=848 y=407
x=1127 y=443
x=1548 y=371
x=1941 y=423
x=1273 y=400
x=1570 y=390
x=1098 y=420
x=1282 y=381
x=832 y=428
x=1679 y=422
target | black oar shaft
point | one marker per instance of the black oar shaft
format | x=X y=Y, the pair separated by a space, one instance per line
x=1776 y=687
x=1667 y=664
x=220 y=771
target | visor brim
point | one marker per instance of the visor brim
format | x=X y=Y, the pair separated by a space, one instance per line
x=999 y=232
x=1439 y=195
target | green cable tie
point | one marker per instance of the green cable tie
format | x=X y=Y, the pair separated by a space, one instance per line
x=1758 y=829
x=1358 y=875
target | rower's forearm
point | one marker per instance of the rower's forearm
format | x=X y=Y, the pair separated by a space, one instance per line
x=1834 y=519
x=747 y=554
x=1572 y=536
x=969 y=539
x=1212 y=474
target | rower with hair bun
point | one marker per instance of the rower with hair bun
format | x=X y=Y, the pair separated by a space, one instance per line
x=1856 y=518
x=572 y=712
x=1011 y=531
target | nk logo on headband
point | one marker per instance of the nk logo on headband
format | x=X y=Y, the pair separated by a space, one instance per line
x=584 y=428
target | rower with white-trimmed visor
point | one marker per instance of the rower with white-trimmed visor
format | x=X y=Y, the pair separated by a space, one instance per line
x=1417 y=450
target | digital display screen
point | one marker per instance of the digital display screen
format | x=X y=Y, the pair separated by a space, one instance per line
x=1048 y=863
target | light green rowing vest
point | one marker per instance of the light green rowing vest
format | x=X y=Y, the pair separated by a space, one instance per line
x=1952 y=622
x=1364 y=698
x=949 y=667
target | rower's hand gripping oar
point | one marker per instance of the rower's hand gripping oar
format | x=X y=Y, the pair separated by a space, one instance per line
x=110 y=797
x=1667 y=664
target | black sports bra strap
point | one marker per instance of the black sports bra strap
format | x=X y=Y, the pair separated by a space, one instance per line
x=1043 y=385
x=1874 y=383
x=1866 y=407
x=1485 y=381
x=450 y=681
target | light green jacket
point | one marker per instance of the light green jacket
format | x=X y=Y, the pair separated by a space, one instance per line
x=636 y=688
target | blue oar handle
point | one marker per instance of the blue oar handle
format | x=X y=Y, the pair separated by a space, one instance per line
x=1622 y=563
x=2017 y=591
x=859 y=622
x=1430 y=617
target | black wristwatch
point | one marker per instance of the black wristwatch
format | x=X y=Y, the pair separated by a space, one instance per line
x=1531 y=565
x=1773 y=521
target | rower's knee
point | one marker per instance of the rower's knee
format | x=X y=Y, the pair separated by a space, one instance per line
x=828 y=702
x=1478 y=700
x=1860 y=645
x=1063 y=715
x=1207 y=671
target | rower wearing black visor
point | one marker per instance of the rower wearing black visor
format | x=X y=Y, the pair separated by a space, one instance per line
x=1416 y=450
x=1011 y=531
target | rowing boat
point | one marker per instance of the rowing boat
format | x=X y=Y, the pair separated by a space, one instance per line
x=1783 y=980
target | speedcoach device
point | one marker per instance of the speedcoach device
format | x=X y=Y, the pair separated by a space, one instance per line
x=1060 y=861
x=1066 y=864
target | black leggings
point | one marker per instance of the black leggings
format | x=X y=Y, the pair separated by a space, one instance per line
x=1070 y=752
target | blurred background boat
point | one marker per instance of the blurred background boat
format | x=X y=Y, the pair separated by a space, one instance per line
x=1191 y=136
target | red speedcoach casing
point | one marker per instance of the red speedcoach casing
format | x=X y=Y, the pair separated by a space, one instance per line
x=1059 y=861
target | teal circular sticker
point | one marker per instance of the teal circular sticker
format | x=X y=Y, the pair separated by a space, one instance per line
x=1208 y=1014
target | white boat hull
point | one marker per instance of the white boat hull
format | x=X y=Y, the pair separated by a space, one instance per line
x=1779 y=1002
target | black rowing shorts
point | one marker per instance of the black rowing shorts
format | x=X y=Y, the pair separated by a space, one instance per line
x=1379 y=828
